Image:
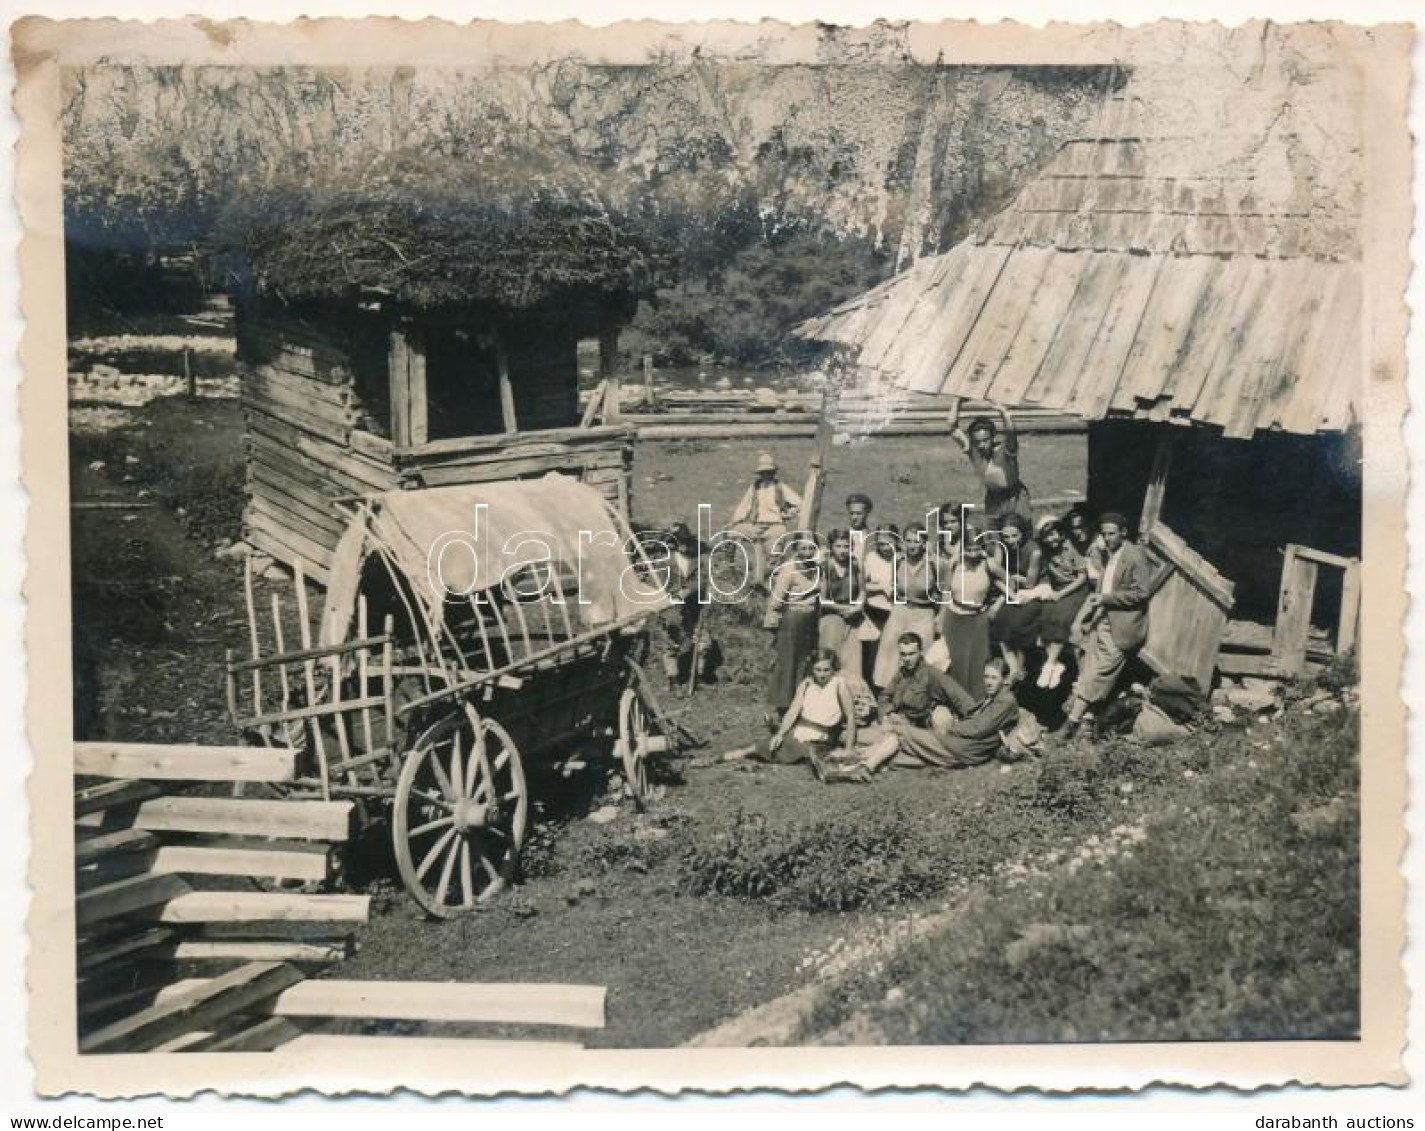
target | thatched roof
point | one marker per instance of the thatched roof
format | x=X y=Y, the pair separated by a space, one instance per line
x=440 y=235
x=1194 y=257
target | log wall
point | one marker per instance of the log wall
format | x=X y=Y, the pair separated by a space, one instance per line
x=308 y=441
x=302 y=416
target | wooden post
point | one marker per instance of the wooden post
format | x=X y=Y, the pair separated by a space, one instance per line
x=1294 y=612
x=651 y=398
x=410 y=423
x=190 y=382
x=810 y=512
x=1157 y=480
x=608 y=371
x=507 y=390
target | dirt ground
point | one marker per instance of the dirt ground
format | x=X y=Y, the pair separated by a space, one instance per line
x=603 y=902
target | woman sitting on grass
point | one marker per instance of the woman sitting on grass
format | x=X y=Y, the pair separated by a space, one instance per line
x=822 y=713
x=1064 y=583
x=1015 y=625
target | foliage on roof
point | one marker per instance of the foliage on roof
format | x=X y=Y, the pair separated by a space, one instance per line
x=513 y=232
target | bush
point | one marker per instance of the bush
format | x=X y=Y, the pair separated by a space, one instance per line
x=840 y=862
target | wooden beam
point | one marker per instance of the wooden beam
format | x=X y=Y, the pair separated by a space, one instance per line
x=262 y=907
x=258 y=950
x=260 y=1036
x=293 y=862
x=112 y=795
x=123 y=897
x=507 y=390
x=200 y=1005
x=409 y=411
x=1298 y=592
x=580 y=1007
x=241 y=816
x=94 y=955
x=121 y=842
x=184 y=762
x=1349 y=624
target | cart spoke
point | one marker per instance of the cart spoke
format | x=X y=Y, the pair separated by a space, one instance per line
x=433 y=799
x=440 y=776
x=447 y=870
x=431 y=826
x=490 y=869
x=430 y=857
x=500 y=759
x=465 y=875
x=457 y=767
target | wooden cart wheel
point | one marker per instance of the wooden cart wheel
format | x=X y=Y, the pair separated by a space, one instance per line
x=632 y=745
x=458 y=821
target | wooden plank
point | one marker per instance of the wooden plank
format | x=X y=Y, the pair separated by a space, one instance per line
x=264 y=907
x=184 y=762
x=354 y=471
x=1337 y=561
x=123 y=897
x=242 y=816
x=1162 y=540
x=305 y=421
x=574 y=1006
x=384 y=1047
x=297 y=862
x=112 y=795
x=301 y=518
x=288 y=545
x=317 y=653
x=1298 y=591
x=318 y=453
x=117 y=843
x=1185 y=629
x=573 y=436
x=1349 y=624
x=129 y=945
x=198 y=1006
x=259 y=950
x=261 y=1036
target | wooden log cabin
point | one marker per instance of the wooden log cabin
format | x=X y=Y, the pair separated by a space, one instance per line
x=1197 y=298
x=348 y=398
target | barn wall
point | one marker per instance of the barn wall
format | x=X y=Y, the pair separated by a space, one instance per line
x=301 y=409
x=1237 y=502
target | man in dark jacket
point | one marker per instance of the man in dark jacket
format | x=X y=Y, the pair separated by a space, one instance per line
x=1115 y=619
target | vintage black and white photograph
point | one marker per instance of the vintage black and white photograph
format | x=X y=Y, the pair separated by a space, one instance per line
x=861 y=545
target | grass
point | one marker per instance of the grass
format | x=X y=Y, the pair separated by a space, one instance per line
x=1226 y=909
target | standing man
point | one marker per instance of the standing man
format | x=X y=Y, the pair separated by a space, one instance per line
x=858 y=524
x=1115 y=619
x=763 y=513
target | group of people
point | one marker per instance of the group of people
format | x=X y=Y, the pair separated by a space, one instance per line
x=914 y=644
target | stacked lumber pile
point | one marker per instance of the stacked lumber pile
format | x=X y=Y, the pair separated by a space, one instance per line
x=170 y=883
x=179 y=949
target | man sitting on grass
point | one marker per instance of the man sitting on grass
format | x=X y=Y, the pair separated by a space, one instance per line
x=930 y=720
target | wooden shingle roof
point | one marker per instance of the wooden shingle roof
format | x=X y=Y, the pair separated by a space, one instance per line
x=1194 y=257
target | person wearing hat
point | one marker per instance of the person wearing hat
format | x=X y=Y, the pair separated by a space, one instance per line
x=1115 y=620
x=762 y=515
x=994 y=454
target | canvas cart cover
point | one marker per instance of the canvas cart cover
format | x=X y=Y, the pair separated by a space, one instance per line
x=516 y=520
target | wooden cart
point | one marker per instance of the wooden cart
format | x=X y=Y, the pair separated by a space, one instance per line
x=438 y=714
